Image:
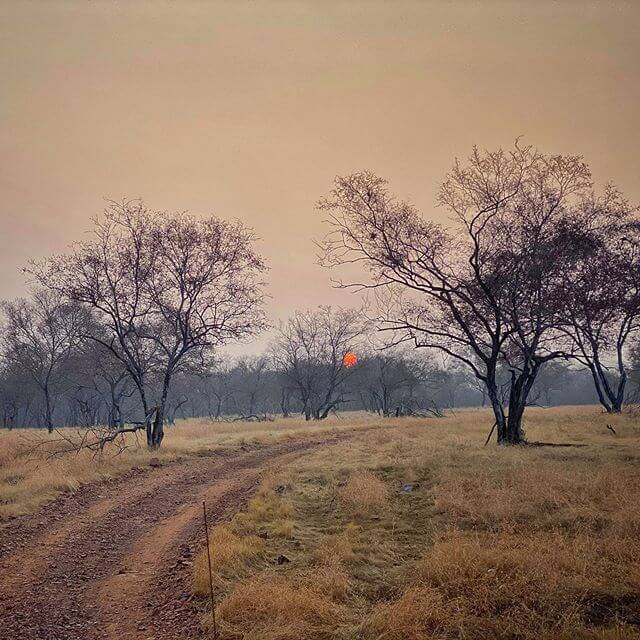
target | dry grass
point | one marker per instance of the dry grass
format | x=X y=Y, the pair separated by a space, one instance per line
x=28 y=479
x=512 y=586
x=364 y=492
x=278 y=610
x=229 y=553
x=510 y=543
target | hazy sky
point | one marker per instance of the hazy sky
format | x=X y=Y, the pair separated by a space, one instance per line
x=249 y=109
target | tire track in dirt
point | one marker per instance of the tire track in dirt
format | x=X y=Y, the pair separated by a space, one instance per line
x=29 y=554
x=150 y=596
x=128 y=600
x=110 y=566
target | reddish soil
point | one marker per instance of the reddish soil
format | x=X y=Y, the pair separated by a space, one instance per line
x=112 y=560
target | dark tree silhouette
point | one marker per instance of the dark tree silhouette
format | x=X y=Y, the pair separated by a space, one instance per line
x=602 y=292
x=486 y=289
x=164 y=288
x=40 y=335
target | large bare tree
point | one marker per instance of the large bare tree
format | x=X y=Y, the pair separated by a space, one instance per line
x=164 y=287
x=485 y=288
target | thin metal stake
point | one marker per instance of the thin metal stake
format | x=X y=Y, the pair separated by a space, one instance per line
x=213 y=604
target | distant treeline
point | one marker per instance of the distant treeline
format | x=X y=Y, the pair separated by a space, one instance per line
x=88 y=389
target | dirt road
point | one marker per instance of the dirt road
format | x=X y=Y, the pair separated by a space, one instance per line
x=112 y=561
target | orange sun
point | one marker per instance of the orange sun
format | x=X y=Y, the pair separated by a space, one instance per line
x=349 y=359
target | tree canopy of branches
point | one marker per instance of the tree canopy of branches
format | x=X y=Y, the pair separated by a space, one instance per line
x=163 y=289
x=385 y=382
x=309 y=351
x=488 y=288
x=602 y=293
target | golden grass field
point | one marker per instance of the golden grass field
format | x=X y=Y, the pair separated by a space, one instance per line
x=527 y=542
x=490 y=542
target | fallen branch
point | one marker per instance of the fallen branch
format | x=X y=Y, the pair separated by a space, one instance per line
x=93 y=439
x=253 y=418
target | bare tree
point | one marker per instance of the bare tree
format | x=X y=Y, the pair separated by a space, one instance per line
x=165 y=288
x=250 y=382
x=603 y=291
x=16 y=390
x=40 y=335
x=309 y=351
x=385 y=381
x=217 y=390
x=484 y=289
x=286 y=394
x=99 y=379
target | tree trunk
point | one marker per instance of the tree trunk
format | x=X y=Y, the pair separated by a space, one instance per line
x=619 y=400
x=509 y=426
x=284 y=403
x=521 y=385
x=599 y=391
x=496 y=404
x=498 y=414
x=385 y=403
x=615 y=408
x=157 y=430
x=610 y=401
x=147 y=415
x=115 y=412
x=48 y=411
x=514 y=433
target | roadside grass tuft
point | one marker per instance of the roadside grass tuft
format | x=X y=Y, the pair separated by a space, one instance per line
x=229 y=553
x=364 y=493
x=277 y=609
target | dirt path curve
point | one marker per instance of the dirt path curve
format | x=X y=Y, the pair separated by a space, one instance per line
x=112 y=561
